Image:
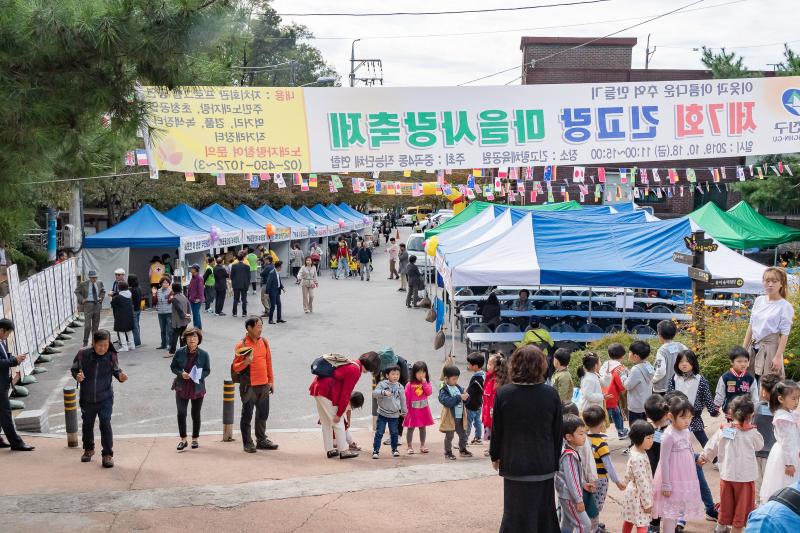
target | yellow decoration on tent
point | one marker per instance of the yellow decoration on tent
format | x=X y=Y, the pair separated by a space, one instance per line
x=431 y=245
x=406 y=173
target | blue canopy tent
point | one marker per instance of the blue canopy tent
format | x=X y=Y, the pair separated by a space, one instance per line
x=252 y=232
x=314 y=228
x=349 y=209
x=299 y=231
x=331 y=224
x=358 y=220
x=131 y=243
x=349 y=225
x=190 y=217
x=279 y=242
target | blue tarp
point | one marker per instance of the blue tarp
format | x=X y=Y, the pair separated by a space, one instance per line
x=146 y=228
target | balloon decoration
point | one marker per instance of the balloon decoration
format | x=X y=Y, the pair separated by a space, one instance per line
x=366 y=220
x=431 y=245
x=270 y=230
x=341 y=223
x=213 y=235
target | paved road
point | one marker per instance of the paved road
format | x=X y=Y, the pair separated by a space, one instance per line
x=350 y=317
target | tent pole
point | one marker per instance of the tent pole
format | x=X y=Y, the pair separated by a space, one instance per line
x=624 y=306
x=775 y=259
x=589 y=320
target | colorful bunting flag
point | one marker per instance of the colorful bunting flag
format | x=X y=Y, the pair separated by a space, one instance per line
x=264 y=176
x=189 y=176
x=623 y=175
x=601 y=175
x=220 y=179
x=691 y=177
x=548 y=173
x=643 y=175
x=254 y=181
x=740 y=172
x=130 y=158
x=312 y=180
x=656 y=177
x=337 y=181
x=141 y=157
x=578 y=174
x=331 y=187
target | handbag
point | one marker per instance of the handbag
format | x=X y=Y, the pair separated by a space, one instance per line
x=430 y=316
x=438 y=339
x=425 y=302
x=447 y=422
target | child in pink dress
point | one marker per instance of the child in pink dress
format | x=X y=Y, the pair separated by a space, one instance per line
x=676 y=491
x=418 y=389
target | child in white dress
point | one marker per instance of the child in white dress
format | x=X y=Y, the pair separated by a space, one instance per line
x=783 y=464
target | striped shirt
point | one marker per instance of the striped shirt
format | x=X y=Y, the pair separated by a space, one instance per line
x=600 y=449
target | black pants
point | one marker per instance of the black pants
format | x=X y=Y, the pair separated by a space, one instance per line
x=101 y=410
x=176 y=336
x=240 y=294
x=219 y=299
x=295 y=270
x=634 y=416
x=183 y=405
x=254 y=398
x=210 y=293
x=7 y=421
x=274 y=303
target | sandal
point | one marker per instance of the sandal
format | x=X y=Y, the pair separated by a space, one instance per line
x=354 y=447
x=423 y=449
x=411 y=451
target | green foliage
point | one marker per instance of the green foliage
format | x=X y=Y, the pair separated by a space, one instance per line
x=726 y=64
x=792 y=354
x=790 y=66
x=600 y=348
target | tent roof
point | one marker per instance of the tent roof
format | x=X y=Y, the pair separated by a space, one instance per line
x=253 y=233
x=320 y=210
x=728 y=230
x=192 y=218
x=313 y=228
x=767 y=228
x=476 y=207
x=146 y=228
x=319 y=219
x=360 y=220
x=283 y=231
x=561 y=250
x=271 y=213
x=350 y=209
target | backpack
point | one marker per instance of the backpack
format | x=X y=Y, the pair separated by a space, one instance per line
x=324 y=365
x=236 y=377
x=788 y=497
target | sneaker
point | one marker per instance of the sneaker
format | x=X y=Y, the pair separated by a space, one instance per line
x=249 y=448
x=476 y=441
x=486 y=453
x=713 y=516
x=267 y=445
x=622 y=435
x=376 y=455
x=465 y=453
x=332 y=454
x=108 y=461
x=395 y=453
x=348 y=455
x=450 y=457
x=87 y=456
x=626 y=451
x=234 y=315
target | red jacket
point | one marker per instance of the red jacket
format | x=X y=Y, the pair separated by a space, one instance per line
x=615 y=388
x=339 y=387
x=489 y=392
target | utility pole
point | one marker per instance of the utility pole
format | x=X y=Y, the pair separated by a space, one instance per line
x=292 y=73
x=372 y=65
x=648 y=54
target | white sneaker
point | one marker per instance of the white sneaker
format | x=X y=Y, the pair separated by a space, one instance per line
x=131 y=346
x=123 y=347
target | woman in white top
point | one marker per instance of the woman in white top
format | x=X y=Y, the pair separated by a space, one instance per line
x=770 y=323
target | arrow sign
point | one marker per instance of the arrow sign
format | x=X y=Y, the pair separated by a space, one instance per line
x=724 y=283
x=699 y=274
x=678 y=257
x=700 y=245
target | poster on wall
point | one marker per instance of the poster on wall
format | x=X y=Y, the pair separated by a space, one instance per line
x=50 y=282
x=334 y=129
x=20 y=334
x=41 y=285
x=37 y=312
x=30 y=330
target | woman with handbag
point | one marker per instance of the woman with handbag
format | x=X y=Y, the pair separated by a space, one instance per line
x=770 y=323
x=307 y=278
x=191 y=366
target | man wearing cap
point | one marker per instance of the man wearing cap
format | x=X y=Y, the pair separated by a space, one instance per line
x=90 y=294
x=119 y=275
x=253 y=364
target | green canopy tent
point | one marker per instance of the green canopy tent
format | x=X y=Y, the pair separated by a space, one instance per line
x=768 y=229
x=475 y=208
x=729 y=230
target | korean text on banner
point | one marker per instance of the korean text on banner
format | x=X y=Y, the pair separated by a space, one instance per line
x=427 y=128
x=228 y=129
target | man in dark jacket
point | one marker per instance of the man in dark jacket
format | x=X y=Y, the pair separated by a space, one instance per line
x=364 y=259
x=240 y=279
x=274 y=287
x=220 y=285
x=7 y=360
x=93 y=369
x=414 y=281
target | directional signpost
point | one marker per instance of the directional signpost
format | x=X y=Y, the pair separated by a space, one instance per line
x=702 y=280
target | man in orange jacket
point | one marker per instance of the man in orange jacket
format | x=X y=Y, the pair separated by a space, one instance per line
x=253 y=363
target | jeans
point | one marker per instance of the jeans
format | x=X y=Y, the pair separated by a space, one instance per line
x=254 y=398
x=274 y=303
x=342 y=267
x=165 y=325
x=474 y=419
x=240 y=294
x=411 y=296
x=364 y=269
x=209 y=294
x=462 y=438
x=102 y=410
x=701 y=437
x=137 y=338
x=380 y=429
x=196 y=319
x=183 y=404
x=616 y=416
x=634 y=416
x=705 y=492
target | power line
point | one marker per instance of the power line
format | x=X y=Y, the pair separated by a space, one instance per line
x=662 y=15
x=86 y=178
x=459 y=12
x=733 y=47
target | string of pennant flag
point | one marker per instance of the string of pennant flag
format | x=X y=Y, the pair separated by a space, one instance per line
x=523 y=183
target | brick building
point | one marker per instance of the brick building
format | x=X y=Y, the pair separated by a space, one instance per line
x=609 y=61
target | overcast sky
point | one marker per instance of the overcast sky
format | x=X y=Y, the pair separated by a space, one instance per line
x=755 y=29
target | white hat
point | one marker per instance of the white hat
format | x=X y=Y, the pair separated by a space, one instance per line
x=119 y=271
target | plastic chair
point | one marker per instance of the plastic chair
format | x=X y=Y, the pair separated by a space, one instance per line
x=507 y=327
x=539 y=304
x=638 y=308
x=643 y=330
x=476 y=328
x=660 y=309
x=590 y=328
x=562 y=327
x=543 y=292
x=568 y=305
x=464 y=292
x=541 y=326
x=470 y=307
x=605 y=307
x=569 y=293
x=613 y=328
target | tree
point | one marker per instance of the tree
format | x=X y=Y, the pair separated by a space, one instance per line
x=726 y=64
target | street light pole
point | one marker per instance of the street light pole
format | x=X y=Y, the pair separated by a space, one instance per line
x=353 y=62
